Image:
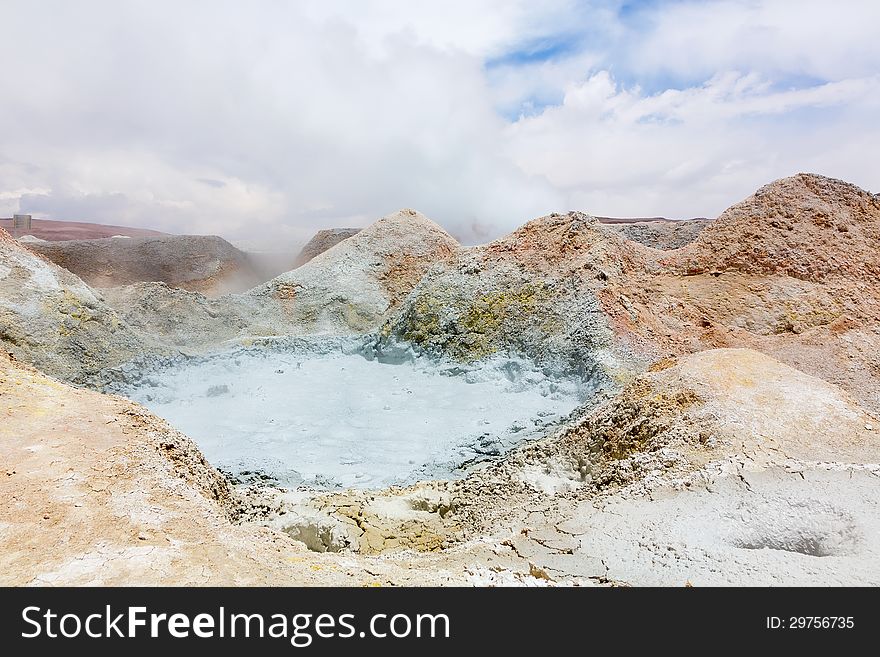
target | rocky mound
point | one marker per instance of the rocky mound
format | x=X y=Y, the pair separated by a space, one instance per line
x=533 y=293
x=724 y=403
x=29 y=239
x=661 y=234
x=50 y=318
x=728 y=410
x=179 y=317
x=203 y=263
x=807 y=227
x=787 y=271
x=323 y=240
x=566 y=290
x=726 y=467
x=353 y=286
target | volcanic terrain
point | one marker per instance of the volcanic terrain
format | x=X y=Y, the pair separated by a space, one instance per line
x=711 y=404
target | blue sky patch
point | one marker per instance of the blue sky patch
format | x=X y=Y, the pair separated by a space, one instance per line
x=542 y=50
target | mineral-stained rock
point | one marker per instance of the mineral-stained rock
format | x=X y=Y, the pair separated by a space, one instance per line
x=532 y=293
x=725 y=402
x=354 y=285
x=792 y=270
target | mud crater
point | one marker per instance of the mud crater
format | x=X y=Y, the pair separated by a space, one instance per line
x=335 y=413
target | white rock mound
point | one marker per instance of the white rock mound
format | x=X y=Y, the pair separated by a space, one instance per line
x=352 y=286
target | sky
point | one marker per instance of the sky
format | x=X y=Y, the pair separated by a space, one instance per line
x=264 y=121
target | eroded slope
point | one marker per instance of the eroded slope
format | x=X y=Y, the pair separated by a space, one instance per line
x=50 y=318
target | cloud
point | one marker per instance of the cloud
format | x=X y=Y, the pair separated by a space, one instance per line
x=783 y=38
x=268 y=121
x=620 y=151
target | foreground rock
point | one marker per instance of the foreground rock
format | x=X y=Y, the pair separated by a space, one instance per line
x=735 y=469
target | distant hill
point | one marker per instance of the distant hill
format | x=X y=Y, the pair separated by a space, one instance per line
x=55 y=231
x=200 y=263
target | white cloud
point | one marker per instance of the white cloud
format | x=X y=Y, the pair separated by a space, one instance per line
x=224 y=117
x=619 y=151
x=828 y=40
x=480 y=28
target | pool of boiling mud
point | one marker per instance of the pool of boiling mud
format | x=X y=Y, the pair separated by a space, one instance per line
x=333 y=413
